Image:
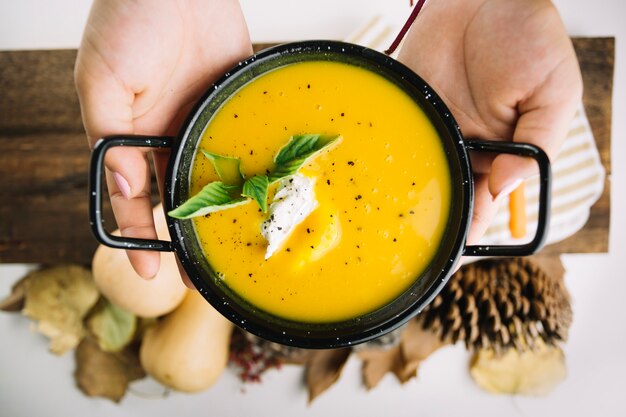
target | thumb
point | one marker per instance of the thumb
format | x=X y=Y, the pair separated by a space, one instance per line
x=543 y=126
x=545 y=116
x=508 y=172
x=106 y=104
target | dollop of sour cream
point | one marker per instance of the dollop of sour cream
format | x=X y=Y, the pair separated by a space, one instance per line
x=293 y=202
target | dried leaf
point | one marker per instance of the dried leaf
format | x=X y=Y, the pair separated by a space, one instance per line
x=529 y=372
x=416 y=344
x=323 y=369
x=129 y=358
x=112 y=326
x=105 y=374
x=15 y=300
x=59 y=298
x=377 y=362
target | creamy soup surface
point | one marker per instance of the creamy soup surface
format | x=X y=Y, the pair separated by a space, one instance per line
x=383 y=193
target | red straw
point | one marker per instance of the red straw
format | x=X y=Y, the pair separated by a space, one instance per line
x=405 y=28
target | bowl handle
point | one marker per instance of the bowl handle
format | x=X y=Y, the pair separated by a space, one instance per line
x=531 y=151
x=95 y=192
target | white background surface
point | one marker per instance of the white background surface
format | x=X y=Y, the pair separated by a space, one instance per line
x=35 y=383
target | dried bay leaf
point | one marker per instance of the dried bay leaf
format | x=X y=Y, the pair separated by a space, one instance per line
x=58 y=298
x=99 y=373
x=129 y=358
x=403 y=360
x=323 y=369
x=15 y=301
x=104 y=374
x=529 y=372
x=112 y=326
x=378 y=362
x=416 y=345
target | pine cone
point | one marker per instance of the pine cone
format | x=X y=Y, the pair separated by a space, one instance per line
x=500 y=304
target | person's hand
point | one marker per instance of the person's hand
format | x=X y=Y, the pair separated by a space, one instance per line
x=507 y=70
x=141 y=66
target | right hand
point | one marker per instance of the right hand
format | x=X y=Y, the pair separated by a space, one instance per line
x=140 y=68
x=508 y=71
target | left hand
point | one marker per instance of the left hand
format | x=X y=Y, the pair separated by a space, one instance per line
x=141 y=66
x=507 y=71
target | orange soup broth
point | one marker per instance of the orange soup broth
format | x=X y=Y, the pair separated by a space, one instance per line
x=383 y=192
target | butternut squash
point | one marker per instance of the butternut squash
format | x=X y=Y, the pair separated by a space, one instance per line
x=188 y=349
x=117 y=280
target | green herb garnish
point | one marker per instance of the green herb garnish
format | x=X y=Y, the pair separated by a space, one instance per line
x=213 y=197
x=256 y=188
x=297 y=152
x=227 y=168
x=230 y=192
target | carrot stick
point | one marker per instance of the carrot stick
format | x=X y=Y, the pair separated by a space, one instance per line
x=517 y=210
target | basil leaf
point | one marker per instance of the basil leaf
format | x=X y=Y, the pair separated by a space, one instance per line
x=256 y=188
x=297 y=152
x=229 y=192
x=213 y=197
x=227 y=168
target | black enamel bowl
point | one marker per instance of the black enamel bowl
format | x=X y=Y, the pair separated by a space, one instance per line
x=359 y=329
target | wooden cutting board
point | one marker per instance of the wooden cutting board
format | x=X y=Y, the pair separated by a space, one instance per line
x=44 y=156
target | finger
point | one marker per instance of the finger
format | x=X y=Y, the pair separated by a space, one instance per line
x=160 y=157
x=187 y=281
x=544 y=120
x=481 y=162
x=184 y=276
x=484 y=209
x=128 y=179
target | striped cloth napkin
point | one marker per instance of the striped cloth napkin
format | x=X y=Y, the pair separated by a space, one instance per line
x=578 y=174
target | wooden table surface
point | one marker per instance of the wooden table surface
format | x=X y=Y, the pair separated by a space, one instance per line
x=44 y=157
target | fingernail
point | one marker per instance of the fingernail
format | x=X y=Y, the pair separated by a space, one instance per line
x=507 y=189
x=122 y=184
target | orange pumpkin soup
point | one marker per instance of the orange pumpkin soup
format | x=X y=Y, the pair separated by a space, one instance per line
x=382 y=193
